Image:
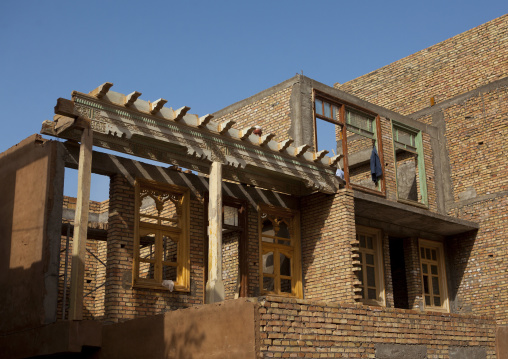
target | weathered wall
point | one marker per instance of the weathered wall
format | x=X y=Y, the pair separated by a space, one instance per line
x=312 y=329
x=226 y=330
x=31 y=186
x=452 y=67
x=468 y=76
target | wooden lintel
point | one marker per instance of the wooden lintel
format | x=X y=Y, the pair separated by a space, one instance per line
x=102 y=90
x=181 y=112
x=246 y=132
x=300 y=150
x=263 y=140
x=157 y=105
x=131 y=98
x=335 y=159
x=285 y=144
x=225 y=126
x=204 y=120
x=319 y=155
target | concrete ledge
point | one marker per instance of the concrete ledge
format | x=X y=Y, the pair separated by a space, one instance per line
x=57 y=338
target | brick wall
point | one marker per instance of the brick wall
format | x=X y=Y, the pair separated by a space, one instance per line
x=124 y=302
x=310 y=329
x=454 y=66
x=328 y=239
x=270 y=112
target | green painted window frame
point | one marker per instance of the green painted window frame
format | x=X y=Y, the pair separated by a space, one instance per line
x=415 y=146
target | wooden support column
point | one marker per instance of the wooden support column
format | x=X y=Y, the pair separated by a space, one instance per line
x=81 y=225
x=215 y=286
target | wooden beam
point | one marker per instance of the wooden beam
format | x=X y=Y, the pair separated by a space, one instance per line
x=214 y=285
x=81 y=225
x=204 y=120
x=103 y=89
x=300 y=150
x=157 y=105
x=246 y=132
x=180 y=113
x=225 y=126
x=285 y=144
x=131 y=98
x=263 y=140
x=319 y=155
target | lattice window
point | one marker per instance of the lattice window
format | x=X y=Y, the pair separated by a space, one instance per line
x=370 y=273
x=433 y=276
x=161 y=239
x=279 y=239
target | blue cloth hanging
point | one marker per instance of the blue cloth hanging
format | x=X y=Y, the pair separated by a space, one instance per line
x=375 y=166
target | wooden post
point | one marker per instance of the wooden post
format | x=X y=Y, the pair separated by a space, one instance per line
x=81 y=225
x=215 y=286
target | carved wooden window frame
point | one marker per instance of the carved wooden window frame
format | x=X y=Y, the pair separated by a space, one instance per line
x=376 y=253
x=180 y=196
x=426 y=251
x=341 y=120
x=292 y=251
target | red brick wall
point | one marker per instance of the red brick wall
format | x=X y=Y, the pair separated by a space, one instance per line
x=309 y=329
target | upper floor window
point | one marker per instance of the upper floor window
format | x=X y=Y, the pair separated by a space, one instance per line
x=353 y=133
x=409 y=164
x=161 y=236
x=279 y=240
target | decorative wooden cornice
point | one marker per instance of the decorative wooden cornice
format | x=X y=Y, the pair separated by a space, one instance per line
x=127 y=124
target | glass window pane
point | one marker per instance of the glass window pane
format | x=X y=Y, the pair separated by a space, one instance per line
x=360 y=257
x=359 y=275
x=319 y=107
x=427 y=300
x=422 y=253
x=169 y=272
x=371 y=276
x=268 y=284
x=285 y=285
x=326 y=137
x=169 y=249
x=147 y=246
x=146 y=270
x=268 y=263
x=435 y=285
x=372 y=294
x=267 y=228
x=369 y=243
x=426 y=284
x=369 y=258
x=362 y=241
x=230 y=216
x=427 y=253
x=437 y=301
x=285 y=265
x=283 y=230
x=267 y=239
x=362 y=293
x=424 y=268
x=327 y=110
x=434 y=255
x=335 y=110
x=433 y=269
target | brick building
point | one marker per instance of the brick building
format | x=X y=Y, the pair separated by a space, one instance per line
x=364 y=220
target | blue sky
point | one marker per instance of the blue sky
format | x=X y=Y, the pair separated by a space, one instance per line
x=203 y=54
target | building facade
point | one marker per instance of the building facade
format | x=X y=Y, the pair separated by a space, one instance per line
x=364 y=220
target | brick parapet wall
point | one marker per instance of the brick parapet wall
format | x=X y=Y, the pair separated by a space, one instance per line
x=309 y=329
x=328 y=236
x=447 y=69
